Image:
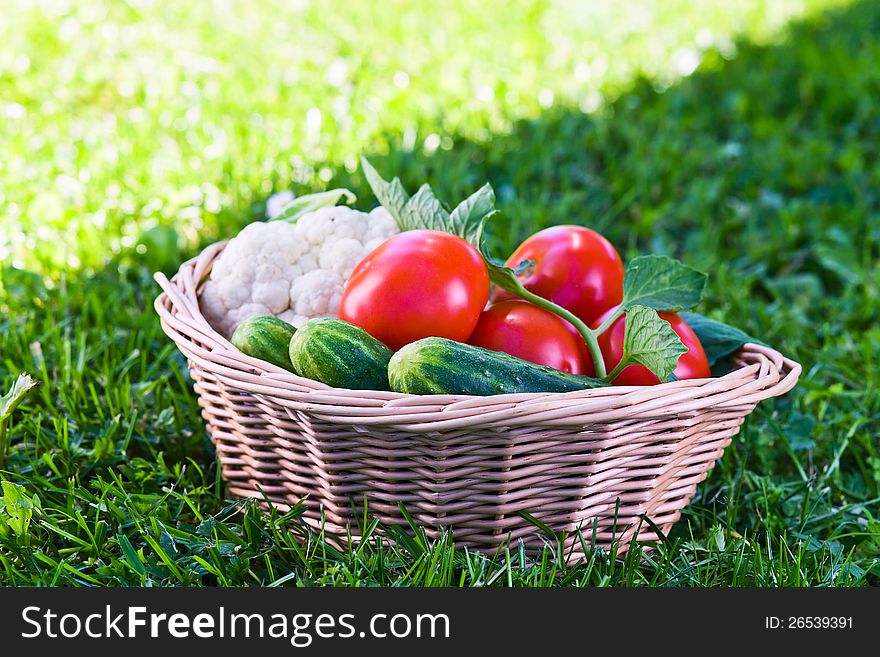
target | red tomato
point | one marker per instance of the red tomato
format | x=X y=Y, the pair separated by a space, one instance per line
x=417 y=284
x=526 y=331
x=575 y=267
x=691 y=365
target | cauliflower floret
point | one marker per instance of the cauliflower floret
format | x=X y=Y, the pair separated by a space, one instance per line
x=292 y=271
x=316 y=293
x=381 y=225
x=335 y=221
x=342 y=256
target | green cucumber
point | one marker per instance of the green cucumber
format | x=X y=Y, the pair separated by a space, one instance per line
x=437 y=366
x=265 y=337
x=340 y=354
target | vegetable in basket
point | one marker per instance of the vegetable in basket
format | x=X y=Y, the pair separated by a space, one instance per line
x=265 y=337
x=524 y=330
x=439 y=366
x=340 y=354
x=572 y=266
x=417 y=284
x=295 y=266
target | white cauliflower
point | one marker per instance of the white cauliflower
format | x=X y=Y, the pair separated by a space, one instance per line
x=294 y=271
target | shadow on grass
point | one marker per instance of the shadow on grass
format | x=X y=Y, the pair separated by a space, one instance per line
x=763 y=170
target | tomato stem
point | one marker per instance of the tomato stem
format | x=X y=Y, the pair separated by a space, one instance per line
x=613 y=317
x=617 y=370
x=589 y=336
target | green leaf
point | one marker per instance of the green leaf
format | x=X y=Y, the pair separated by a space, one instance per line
x=20 y=389
x=206 y=527
x=311 y=202
x=662 y=283
x=650 y=341
x=130 y=554
x=18 y=508
x=719 y=340
x=469 y=217
x=391 y=195
x=528 y=517
x=424 y=211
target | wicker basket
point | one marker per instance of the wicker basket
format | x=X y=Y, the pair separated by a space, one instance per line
x=600 y=460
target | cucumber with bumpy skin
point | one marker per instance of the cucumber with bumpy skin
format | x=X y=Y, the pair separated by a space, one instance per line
x=340 y=354
x=265 y=337
x=437 y=366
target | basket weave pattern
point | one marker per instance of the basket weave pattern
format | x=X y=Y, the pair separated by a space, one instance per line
x=598 y=460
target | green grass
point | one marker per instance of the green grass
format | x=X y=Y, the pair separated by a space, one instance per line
x=125 y=121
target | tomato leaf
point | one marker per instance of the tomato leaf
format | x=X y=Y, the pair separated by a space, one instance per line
x=424 y=211
x=719 y=340
x=662 y=283
x=650 y=341
x=469 y=218
x=391 y=195
x=310 y=202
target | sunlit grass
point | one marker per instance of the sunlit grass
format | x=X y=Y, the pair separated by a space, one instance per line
x=118 y=116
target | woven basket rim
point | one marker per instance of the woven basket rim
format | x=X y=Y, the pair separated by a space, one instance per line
x=761 y=372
